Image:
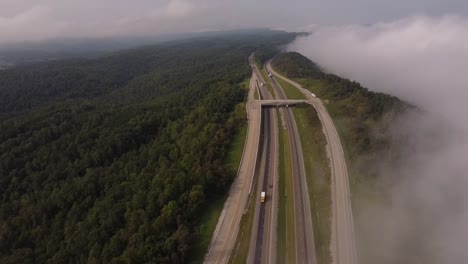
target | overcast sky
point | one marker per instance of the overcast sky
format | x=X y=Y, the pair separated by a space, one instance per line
x=44 y=19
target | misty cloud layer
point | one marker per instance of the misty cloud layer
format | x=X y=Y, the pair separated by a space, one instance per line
x=32 y=20
x=423 y=60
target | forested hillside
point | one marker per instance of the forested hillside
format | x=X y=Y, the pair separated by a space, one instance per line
x=112 y=160
x=347 y=101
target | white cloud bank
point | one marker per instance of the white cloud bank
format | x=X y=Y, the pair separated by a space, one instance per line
x=423 y=60
x=102 y=18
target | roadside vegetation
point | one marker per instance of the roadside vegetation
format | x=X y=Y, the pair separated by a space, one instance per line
x=256 y=95
x=318 y=173
x=263 y=54
x=242 y=245
x=209 y=217
x=264 y=74
x=270 y=89
x=268 y=84
x=290 y=91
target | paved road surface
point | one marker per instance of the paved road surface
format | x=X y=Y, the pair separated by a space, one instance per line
x=225 y=234
x=304 y=234
x=342 y=244
x=264 y=227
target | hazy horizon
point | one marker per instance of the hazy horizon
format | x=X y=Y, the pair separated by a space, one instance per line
x=28 y=20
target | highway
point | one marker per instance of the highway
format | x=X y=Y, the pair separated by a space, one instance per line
x=304 y=234
x=342 y=246
x=225 y=235
x=264 y=236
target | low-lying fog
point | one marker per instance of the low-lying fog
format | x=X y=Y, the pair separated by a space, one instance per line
x=422 y=60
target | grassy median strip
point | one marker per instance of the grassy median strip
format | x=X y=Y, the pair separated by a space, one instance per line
x=267 y=82
x=290 y=90
x=242 y=246
x=286 y=239
x=318 y=178
x=264 y=74
x=270 y=88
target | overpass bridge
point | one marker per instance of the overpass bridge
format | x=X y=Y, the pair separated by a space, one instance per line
x=282 y=103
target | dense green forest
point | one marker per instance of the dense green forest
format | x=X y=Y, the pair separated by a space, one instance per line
x=347 y=100
x=112 y=160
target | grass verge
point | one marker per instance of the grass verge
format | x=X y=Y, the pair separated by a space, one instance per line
x=290 y=91
x=241 y=248
x=245 y=84
x=318 y=178
x=234 y=155
x=204 y=231
x=242 y=245
x=268 y=82
x=264 y=74
x=270 y=88
x=286 y=239
x=210 y=215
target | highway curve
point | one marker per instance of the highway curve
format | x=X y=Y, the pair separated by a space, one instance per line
x=342 y=243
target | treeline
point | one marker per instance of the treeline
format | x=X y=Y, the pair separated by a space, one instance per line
x=29 y=86
x=116 y=164
x=295 y=65
x=349 y=100
x=267 y=51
